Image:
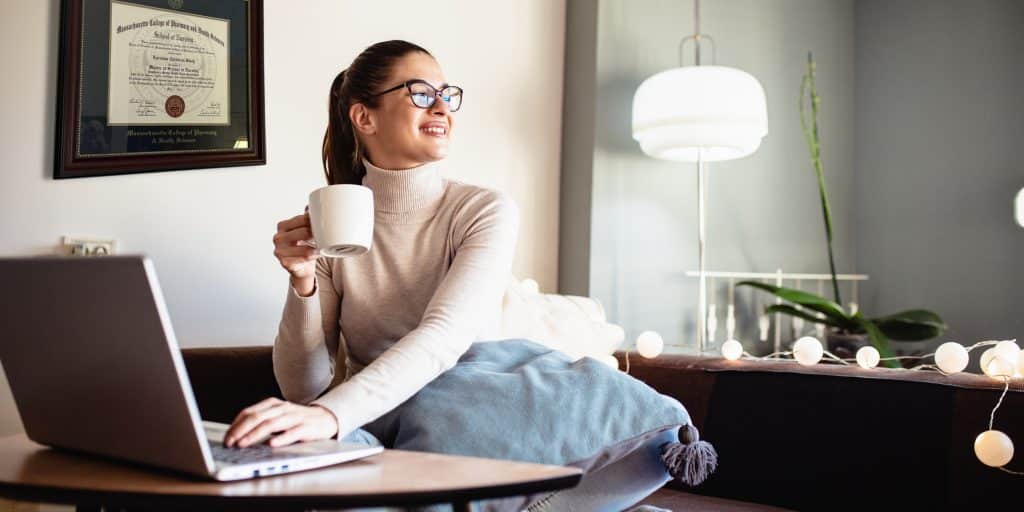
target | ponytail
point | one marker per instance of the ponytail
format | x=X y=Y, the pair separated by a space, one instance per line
x=342 y=154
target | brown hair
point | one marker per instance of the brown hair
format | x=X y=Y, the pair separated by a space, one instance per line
x=342 y=154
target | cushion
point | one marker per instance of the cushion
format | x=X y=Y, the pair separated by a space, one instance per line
x=571 y=324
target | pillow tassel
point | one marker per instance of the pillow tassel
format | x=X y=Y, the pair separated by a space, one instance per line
x=691 y=460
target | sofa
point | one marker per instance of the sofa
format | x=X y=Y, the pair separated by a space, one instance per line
x=789 y=437
x=826 y=437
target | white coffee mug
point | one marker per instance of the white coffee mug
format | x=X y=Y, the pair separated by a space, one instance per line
x=341 y=217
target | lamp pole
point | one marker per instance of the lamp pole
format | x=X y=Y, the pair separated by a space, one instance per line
x=702 y=291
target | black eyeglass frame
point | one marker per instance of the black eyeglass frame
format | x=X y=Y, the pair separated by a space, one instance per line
x=433 y=99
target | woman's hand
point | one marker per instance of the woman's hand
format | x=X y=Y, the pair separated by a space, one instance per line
x=295 y=422
x=298 y=260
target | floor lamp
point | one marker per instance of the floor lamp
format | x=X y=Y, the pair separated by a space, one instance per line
x=700 y=114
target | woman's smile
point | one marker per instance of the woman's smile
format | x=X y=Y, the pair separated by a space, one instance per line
x=435 y=129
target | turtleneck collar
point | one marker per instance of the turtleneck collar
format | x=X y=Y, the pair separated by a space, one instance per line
x=405 y=195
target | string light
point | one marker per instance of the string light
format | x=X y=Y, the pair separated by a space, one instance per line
x=808 y=351
x=868 y=357
x=1007 y=349
x=649 y=344
x=732 y=350
x=992 y=447
x=951 y=357
x=1000 y=360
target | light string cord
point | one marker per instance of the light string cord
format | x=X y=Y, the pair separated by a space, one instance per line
x=992 y=415
x=851 y=361
x=992 y=419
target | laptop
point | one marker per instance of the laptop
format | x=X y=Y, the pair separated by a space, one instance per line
x=94 y=367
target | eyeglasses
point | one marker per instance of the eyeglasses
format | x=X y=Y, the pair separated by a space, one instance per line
x=424 y=95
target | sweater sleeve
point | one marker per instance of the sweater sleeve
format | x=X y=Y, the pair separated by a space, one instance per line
x=469 y=292
x=306 y=346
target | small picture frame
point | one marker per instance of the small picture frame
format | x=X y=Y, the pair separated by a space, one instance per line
x=159 y=85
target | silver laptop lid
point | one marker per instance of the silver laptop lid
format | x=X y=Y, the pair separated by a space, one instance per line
x=93 y=363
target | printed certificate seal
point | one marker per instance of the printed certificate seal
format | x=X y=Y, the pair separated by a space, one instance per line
x=174 y=106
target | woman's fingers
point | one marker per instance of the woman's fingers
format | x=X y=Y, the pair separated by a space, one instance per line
x=290 y=237
x=295 y=434
x=252 y=416
x=294 y=252
x=292 y=223
x=267 y=427
x=295 y=422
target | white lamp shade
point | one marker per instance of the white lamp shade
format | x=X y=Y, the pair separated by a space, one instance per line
x=716 y=112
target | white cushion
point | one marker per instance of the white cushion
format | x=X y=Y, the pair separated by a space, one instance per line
x=572 y=324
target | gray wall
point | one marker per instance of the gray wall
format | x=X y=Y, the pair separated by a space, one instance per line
x=921 y=112
x=763 y=211
x=939 y=118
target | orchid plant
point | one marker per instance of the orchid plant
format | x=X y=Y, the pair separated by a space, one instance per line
x=911 y=325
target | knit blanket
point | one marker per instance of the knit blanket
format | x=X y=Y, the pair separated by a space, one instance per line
x=518 y=400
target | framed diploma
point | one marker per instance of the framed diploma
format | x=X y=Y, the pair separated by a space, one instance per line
x=159 y=85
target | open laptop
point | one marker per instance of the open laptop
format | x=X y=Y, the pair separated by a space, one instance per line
x=94 y=366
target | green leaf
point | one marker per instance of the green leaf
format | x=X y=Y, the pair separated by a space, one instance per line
x=786 y=309
x=805 y=299
x=878 y=340
x=912 y=325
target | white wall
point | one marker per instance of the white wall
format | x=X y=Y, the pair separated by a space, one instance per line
x=208 y=231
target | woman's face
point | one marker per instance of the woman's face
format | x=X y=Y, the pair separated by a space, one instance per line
x=398 y=134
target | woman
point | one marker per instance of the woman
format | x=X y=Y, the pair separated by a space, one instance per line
x=431 y=284
x=359 y=336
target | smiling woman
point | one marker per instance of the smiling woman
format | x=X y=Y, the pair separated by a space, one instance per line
x=393 y=132
x=441 y=253
x=370 y=345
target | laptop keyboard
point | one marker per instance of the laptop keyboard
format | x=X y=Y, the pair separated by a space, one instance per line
x=254 y=453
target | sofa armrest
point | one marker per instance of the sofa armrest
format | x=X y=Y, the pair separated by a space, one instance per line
x=840 y=437
x=225 y=380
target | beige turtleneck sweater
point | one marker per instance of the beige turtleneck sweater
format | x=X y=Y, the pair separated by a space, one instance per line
x=380 y=326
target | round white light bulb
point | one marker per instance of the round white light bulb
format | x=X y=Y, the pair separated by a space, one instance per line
x=951 y=357
x=868 y=357
x=530 y=285
x=808 y=351
x=1020 y=364
x=609 y=360
x=993 y=448
x=732 y=350
x=1007 y=349
x=649 y=344
x=998 y=368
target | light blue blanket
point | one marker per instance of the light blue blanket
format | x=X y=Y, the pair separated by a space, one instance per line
x=518 y=400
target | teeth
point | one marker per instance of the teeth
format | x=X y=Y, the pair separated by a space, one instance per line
x=434 y=130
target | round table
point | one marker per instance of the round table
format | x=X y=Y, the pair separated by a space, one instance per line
x=31 y=472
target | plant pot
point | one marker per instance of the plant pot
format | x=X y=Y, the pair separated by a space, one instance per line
x=845 y=345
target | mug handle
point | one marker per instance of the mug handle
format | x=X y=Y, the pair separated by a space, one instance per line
x=311 y=242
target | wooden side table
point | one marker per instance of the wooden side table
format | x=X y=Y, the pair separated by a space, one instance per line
x=32 y=472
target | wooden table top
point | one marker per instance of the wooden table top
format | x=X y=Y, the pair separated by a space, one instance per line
x=29 y=471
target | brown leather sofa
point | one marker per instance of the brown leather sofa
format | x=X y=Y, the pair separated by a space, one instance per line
x=826 y=437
